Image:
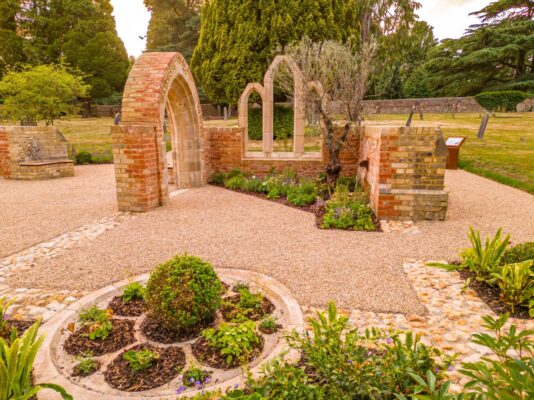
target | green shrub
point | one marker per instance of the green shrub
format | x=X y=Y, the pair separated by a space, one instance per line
x=16 y=364
x=303 y=194
x=354 y=215
x=84 y=157
x=283 y=120
x=235 y=172
x=268 y=325
x=254 y=185
x=183 y=293
x=516 y=283
x=134 y=291
x=501 y=101
x=508 y=375
x=140 y=360
x=484 y=260
x=249 y=300
x=218 y=178
x=235 y=183
x=97 y=323
x=519 y=253
x=235 y=341
x=374 y=364
x=348 y=181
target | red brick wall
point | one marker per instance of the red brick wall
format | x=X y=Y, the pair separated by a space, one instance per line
x=4 y=154
x=225 y=152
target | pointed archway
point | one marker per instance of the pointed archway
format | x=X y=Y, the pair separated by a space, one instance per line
x=159 y=84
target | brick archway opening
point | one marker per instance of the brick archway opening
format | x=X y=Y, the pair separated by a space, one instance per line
x=159 y=84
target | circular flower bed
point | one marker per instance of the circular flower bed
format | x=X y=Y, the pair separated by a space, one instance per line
x=111 y=344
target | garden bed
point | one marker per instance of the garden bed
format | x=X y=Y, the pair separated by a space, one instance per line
x=166 y=373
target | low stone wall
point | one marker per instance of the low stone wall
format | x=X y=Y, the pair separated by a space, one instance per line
x=405 y=173
x=226 y=151
x=405 y=106
x=34 y=153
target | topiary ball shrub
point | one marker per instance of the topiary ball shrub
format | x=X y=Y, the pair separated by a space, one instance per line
x=183 y=294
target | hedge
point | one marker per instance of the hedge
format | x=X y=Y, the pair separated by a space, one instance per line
x=283 y=123
x=501 y=101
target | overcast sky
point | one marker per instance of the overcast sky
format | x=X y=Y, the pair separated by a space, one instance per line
x=448 y=17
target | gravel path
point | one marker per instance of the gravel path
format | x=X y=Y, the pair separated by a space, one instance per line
x=33 y=212
x=355 y=269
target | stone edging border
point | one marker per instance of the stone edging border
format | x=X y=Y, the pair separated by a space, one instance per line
x=45 y=369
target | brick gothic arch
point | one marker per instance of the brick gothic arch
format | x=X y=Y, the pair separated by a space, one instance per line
x=157 y=83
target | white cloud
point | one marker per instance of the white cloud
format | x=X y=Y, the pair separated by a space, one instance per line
x=132 y=22
x=450 y=18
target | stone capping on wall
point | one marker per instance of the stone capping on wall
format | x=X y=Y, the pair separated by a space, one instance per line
x=34 y=153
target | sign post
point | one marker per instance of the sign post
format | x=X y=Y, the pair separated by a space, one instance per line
x=453 y=147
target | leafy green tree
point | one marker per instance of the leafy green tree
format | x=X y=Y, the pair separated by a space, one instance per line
x=239 y=38
x=11 y=44
x=415 y=86
x=80 y=33
x=174 y=25
x=42 y=93
x=496 y=54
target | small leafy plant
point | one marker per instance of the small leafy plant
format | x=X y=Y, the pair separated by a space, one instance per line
x=240 y=285
x=86 y=364
x=268 y=325
x=483 y=260
x=518 y=253
x=234 y=341
x=140 y=360
x=4 y=305
x=302 y=194
x=96 y=322
x=134 y=291
x=16 y=364
x=196 y=377
x=249 y=300
x=516 y=283
x=235 y=183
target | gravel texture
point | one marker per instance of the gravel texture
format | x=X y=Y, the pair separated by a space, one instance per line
x=355 y=269
x=33 y=212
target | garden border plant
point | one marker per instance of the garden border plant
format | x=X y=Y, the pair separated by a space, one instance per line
x=346 y=209
x=503 y=276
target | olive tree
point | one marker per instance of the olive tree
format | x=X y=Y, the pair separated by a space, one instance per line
x=332 y=72
x=43 y=93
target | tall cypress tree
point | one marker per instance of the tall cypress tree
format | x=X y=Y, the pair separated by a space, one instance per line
x=239 y=38
x=174 y=25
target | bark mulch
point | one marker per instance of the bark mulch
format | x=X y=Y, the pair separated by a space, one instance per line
x=166 y=367
x=491 y=296
x=132 y=308
x=230 y=312
x=158 y=333
x=20 y=325
x=122 y=335
x=211 y=357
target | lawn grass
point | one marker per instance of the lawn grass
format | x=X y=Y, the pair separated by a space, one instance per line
x=505 y=154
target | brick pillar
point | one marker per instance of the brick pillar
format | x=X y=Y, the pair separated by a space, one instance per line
x=135 y=153
x=4 y=154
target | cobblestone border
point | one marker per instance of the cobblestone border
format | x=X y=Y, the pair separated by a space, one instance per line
x=51 y=362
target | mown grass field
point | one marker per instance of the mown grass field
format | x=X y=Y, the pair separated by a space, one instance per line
x=505 y=154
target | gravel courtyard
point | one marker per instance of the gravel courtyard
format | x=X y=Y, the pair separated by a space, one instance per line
x=32 y=212
x=355 y=269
